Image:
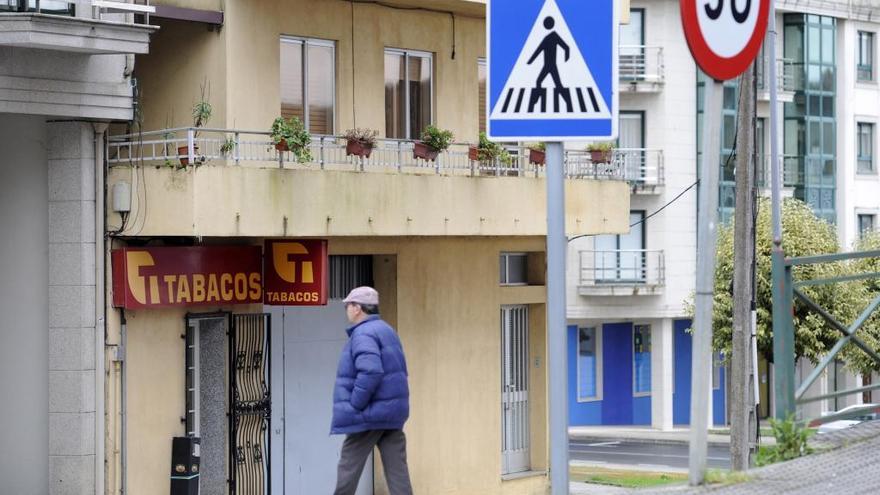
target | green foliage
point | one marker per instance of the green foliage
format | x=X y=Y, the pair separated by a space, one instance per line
x=791 y=442
x=538 y=146
x=600 y=146
x=804 y=234
x=367 y=137
x=202 y=110
x=293 y=132
x=436 y=138
x=227 y=146
x=490 y=151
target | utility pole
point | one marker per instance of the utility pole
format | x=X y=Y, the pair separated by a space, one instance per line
x=742 y=408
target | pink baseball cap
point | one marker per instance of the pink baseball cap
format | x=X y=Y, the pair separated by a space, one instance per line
x=363 y=295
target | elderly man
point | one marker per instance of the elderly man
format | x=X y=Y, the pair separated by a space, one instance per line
x=371 y=396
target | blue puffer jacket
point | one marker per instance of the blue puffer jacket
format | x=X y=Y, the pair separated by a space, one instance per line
x=371 y=391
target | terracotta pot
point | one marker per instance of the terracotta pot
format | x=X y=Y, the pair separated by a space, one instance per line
x=282 y=146
x=600 y=156
x=473 y=153
x=536 y=157
x=425 y=152
x=357 y=148
x=183 y=152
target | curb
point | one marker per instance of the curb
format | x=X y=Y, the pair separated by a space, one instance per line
x=657 y=441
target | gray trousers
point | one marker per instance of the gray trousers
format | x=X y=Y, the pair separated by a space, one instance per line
x=356 y=449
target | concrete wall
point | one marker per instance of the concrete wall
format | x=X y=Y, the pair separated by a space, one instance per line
x=447 y=313
x=24 y=313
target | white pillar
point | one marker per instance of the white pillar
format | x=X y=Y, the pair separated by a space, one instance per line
x=661 y=374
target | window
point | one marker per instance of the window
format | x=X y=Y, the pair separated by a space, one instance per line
x=589 y=364
x=45 y=6
x=717 y=364
x=308 y=82
x=408 y=93
x=865 y=155
x=641 y=360
x=632 y=47
x=865 y=62
x=866 y=223
x=481 y=108
x=621 y=258
x=513 y=269
x=631 y=144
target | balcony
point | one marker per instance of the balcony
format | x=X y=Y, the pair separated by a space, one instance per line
x=641 y=68
x=642 y=168
x=235 y=183
x=788 y=79
x=82 y=26
x=622 y=272
x=792 y=174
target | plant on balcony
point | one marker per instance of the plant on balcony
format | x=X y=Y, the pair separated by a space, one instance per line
x=600 y=152
x=488 y=151
x=291 y=135
x=360 y=142
x=537 y=153
x=201 y=114
x=227 y=146
x=434 y=140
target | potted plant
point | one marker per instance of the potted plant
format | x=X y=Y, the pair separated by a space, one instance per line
x=360 y=142
x=487 y=151
x=600 y=152
x=227 y=146
x=291 y=135
x=201 y=114
x=537 y=153
x=434 y=140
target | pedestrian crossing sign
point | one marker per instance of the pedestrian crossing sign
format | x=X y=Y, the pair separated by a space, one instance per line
x=552 y=69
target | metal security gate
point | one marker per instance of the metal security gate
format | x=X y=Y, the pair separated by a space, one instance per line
x=514 y=389
x=249 y=404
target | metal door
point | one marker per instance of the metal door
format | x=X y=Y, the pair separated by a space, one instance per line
x=249 y=404
x=514 y=389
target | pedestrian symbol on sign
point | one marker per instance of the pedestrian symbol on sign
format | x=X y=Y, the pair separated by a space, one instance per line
x=559 y=85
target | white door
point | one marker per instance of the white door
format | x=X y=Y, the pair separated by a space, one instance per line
x=309 y=340
x=515 y=389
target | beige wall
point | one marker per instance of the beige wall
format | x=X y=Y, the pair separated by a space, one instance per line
x=447 y=314
x=239 y=201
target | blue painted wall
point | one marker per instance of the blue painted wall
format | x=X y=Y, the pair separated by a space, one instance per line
x=681 y=398
x=579 y=413
x=617 y=399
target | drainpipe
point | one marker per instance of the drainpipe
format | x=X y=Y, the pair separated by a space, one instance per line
x=100 y=228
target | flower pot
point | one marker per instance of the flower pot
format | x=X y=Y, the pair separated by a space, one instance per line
x=425 y=152
x=183 y=153
x=357 y=148
x=600 y=156
x=536 y=157
x=473 y=153
x=282 y=146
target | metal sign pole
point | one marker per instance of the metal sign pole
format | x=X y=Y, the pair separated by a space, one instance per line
x=556 y=330
x=701 y=362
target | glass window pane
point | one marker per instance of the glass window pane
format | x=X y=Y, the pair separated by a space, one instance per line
x=395 y=106
x=321 y=89
x=587 y=364
x=828 y=138
x=481 y=109
x=828 y=79
x=291 y=79
x=794 y=43
x=419 y=95
x=815 y=138
x=516 y=269
x=827 y=46
x=729 y=132
x=641 y=359
x=813 y=44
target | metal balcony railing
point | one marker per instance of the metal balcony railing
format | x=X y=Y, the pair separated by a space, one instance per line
x=786 y=75
x=234 y=147
x=643 y=168
x=622 y=267
x=641 y=63
x=113 y=10
x=792 y=174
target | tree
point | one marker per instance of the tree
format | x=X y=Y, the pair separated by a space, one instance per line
x=804 y=234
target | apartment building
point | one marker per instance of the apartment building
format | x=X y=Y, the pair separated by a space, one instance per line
x=629 y=352
x=65 y=74
x=455 y=246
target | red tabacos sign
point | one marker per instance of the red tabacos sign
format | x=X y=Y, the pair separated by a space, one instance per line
x=296 y=272
x=154 y=277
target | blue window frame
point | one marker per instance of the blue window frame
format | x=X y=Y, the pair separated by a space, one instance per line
x=865 y=62
x=641 y=360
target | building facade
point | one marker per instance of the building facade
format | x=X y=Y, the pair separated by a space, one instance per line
x=455 y=247
x=627 y=293
x=65 y=74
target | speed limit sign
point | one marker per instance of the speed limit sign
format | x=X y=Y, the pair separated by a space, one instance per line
x=724 y=35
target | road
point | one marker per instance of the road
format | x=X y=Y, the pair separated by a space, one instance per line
x=642 y=454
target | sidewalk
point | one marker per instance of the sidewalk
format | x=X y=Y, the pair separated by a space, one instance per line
x=645 y=434
x=845 y=462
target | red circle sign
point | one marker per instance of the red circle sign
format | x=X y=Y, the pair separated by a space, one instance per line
x=724 y=36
